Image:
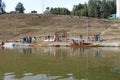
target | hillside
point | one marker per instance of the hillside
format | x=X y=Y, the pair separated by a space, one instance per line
x=20 y=25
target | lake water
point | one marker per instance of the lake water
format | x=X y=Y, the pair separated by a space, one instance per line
x=60 y=63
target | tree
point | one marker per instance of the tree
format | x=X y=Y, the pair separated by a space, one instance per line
x=112 y=5
x=47 y=11
x=19 y=8
x=105 y=9
x=85 y=10
x=77 y=9
x=101 y=8
x=60 y=11
x=98 y=9
x=92 y=7
x=2 y=7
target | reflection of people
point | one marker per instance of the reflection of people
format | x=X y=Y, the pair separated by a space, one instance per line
x=96 y=51
x=72 y=51
x=81 y=51
x=27 y=50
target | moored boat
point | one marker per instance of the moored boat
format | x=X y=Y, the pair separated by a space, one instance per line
x=81 y=43
x=8 y=45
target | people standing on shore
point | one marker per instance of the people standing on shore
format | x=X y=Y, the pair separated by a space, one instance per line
x=96 y=38
x=81 y=36
x=34 y=39
x=2 y=43
x=56 y=37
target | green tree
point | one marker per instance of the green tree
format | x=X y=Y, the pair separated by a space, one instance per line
x=101 y=8
x=98 y=9
x=105 y=9
x=47 y=11
x=84 y=11
x=91 y=7
x=2 y=7
x=60 y=11
x=112 y=5
x=19 y=8
x=77 y=9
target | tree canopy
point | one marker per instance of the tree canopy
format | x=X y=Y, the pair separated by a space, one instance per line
x=60 y=11
x=2 y=7
x=19 y=8
x=94 y=8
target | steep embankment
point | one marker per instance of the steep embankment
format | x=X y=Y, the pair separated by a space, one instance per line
x=37 y=25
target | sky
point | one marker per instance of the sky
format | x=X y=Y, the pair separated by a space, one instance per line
x=40 y=5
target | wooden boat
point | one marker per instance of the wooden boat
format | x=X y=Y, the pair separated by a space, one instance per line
x=81 y=43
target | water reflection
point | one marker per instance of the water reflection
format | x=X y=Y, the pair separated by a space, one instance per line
x=110 y=48
x=54 y=63
x=30 y=76
x=96 y=52
x=78 y=51
x=26 y=50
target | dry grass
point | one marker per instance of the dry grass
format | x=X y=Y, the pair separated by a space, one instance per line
x=38 y=25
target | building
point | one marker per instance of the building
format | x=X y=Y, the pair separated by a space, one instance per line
x=112 y=16
x=118 y=8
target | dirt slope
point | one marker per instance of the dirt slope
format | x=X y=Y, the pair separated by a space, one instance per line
x=19 y=25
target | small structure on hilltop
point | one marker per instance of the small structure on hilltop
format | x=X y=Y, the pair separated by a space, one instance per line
x=118 y=8
x=34 y=12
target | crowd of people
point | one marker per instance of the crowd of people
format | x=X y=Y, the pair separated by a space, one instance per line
x=96 y=38
x=28 y=40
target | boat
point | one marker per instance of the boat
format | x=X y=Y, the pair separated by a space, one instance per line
x=49 y=40
x=8 y=45
x=77 y=42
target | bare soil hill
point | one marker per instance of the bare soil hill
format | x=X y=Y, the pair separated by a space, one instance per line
x=14 y=26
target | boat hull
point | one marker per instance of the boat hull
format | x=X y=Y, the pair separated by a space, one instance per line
x=81 y=46
x=8 y=45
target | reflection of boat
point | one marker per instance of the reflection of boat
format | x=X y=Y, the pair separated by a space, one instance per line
x=75 y=42
x=27 y=45
x=83 y=45
x=110 y=44
x=110 y=48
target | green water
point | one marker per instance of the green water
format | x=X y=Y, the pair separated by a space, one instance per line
x=60 y=63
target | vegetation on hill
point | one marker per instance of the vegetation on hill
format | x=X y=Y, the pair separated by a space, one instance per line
x=94 y=8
